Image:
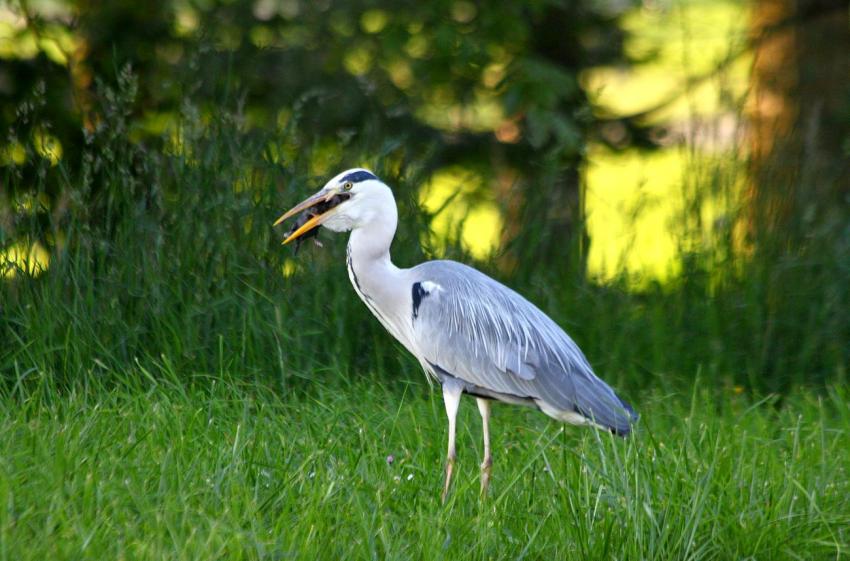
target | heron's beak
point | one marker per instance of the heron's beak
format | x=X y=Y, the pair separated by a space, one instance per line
x=315 y=220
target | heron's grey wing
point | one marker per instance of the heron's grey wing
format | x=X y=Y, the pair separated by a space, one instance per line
x=484 y=333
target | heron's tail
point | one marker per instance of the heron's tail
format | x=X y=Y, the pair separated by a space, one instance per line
x=614 y=414
x=582 y=398
x=626 y=420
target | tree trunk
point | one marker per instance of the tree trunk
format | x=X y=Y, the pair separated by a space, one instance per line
x=799 y=111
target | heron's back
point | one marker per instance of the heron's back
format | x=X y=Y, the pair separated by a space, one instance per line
x=478 y=330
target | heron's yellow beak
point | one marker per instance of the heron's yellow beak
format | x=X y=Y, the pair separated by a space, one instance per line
x=316 y=220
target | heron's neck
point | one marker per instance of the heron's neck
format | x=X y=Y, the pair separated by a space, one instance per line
x=369 y=244
x=375 y=278
x=380 y=284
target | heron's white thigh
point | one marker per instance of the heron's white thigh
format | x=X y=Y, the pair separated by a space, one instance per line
x=484 y=409
x=451 y=396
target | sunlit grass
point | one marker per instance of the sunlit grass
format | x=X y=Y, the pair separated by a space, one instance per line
x=23 y=257
x=48 y=147
x=459 y=214
x=634 y=210
x=631 y=201
x=635 y=200
x=678 y=42
x=222 y=469
x=13 y=153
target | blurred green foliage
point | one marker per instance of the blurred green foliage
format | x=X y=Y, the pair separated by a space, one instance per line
x=150 y=147
x=486 y=84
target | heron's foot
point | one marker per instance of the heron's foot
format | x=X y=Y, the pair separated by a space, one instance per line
x=486 y=466
x=450 y=465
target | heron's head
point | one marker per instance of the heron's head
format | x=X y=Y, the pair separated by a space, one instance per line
x=351 y=199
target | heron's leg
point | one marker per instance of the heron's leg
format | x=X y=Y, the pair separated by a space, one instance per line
x=484 y=409
x=451 y=397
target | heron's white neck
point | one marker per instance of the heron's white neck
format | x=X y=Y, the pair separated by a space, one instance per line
x=383 y=287
x=376 y=280
x=370 y=241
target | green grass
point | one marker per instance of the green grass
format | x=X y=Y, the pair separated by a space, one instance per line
x=166 y=392
x=217 y=469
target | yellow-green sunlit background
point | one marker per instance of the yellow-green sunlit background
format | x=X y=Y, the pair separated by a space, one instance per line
x=634 y=199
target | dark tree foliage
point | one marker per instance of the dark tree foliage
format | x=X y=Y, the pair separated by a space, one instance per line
x=148 y=146
x=361 y=76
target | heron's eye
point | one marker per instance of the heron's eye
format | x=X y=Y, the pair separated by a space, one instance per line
x=347 y=186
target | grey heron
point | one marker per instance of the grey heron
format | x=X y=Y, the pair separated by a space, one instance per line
x=469 y=332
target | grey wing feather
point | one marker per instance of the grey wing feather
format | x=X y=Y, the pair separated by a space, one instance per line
x=484 y=333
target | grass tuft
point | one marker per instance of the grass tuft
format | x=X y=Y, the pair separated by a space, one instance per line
x=218 y=467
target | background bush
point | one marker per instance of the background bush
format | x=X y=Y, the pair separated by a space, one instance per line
x=149 y=149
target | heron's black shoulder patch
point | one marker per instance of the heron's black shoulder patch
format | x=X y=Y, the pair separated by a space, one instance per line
x=357 y=176
x=418 y=294
x=420 y=290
